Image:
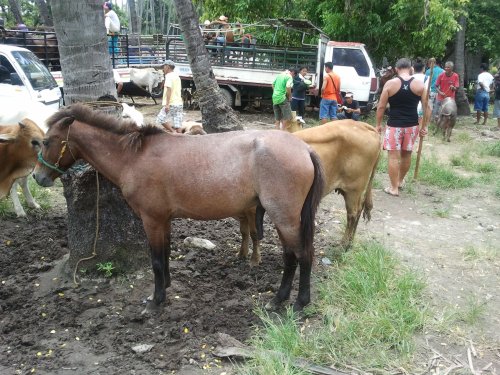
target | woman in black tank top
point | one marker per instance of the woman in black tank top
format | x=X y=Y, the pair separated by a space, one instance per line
x=403 y=106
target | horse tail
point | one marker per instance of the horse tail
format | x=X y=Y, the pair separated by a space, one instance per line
x=310 y=207
x=259 y=221
x=368 y=202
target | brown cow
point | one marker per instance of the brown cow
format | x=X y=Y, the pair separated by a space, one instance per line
x=19 y=145
x=349 y=152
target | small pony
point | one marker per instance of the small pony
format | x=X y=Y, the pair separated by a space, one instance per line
x=227 y=173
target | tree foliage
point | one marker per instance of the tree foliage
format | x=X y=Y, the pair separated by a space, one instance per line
x=389 y=28
x=483 y=25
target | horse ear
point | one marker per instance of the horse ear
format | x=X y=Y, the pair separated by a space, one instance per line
x=22 y=125
x=66 y=121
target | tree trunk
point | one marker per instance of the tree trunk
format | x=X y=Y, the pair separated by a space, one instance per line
x=217 y=115
x=463 y=108
x=16 y=11
x=87 y=72
x=83 y=46
x=134 y=21
x=44 y=13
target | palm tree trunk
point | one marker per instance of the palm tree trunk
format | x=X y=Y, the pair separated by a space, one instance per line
x=87 y=72
x=83 y=46
x=44 y=13
x=16 y=11
x=217 y=115
x=463 y=108
x=134 y=21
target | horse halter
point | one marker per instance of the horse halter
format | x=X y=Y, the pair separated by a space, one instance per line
x=55 y=166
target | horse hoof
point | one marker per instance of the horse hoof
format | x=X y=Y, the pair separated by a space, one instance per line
x=255 y=262
x=297 y=307
x=273 y=304
x=151 y=308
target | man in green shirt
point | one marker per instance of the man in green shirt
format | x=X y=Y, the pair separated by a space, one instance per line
x=282 y=94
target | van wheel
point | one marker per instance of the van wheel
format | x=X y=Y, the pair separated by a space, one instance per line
x=228 y=96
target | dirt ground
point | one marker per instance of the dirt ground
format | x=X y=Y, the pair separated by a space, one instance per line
x=48 y=326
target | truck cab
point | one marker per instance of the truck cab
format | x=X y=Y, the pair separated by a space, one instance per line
x=355 y=68
x=24 y=77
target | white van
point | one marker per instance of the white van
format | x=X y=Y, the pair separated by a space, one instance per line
x=24 y=77
x=355 y=68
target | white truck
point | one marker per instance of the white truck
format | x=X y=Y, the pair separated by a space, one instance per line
x=23 y=77
x=245 y=72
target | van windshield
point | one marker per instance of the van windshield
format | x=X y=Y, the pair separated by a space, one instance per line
x=351 y=57
x=38 y=75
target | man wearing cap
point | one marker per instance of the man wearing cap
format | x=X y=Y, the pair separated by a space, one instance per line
x=171 y=114
x=350 y=109
x=112 y=23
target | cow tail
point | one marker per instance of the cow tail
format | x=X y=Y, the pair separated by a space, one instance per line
x=259 y=221
x=310 y=207
x=368 y=202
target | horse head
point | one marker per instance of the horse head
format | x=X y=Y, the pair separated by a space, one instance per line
x=56 y=155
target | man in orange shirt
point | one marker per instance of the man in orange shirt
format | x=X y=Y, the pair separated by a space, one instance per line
x=330 y=90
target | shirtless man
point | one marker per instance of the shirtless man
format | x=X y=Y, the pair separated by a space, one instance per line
x=403 y=94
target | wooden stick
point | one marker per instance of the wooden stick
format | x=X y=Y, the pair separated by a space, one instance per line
x=425 y=119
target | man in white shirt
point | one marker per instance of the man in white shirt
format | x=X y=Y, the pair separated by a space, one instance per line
x=171 y=113
x=482 y=98
x=112 y=24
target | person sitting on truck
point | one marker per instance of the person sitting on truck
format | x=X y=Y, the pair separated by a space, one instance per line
x=330 y=95
x=112 y=23
x=299 y=93
x=282 y=93
x=223 y=35
x=350 y=109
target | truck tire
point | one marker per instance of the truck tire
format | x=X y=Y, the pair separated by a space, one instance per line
x=157 y=92
x=228 y=96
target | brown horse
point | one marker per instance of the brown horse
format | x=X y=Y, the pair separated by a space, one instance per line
x=164 y=176
x=349 y=151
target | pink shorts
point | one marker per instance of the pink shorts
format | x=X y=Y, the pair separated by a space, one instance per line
x=400 y=138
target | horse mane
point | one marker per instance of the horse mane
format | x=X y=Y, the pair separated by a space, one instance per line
x=132 y=135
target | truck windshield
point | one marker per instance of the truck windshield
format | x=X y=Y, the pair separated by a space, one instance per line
x=38 y=75
x=351 y=57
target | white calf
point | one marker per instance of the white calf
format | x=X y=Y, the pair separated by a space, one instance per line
x=147 y=77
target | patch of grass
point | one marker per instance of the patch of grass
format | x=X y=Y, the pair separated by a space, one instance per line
x=40 y=194
x=473 y=253
x=437 y=174
x=377 y=184
x=473 y=311
x=106 y=268
x=464 y=160
x=5 y=206
x=370 y=309
x=382 y=163
x=492 y=149
x=462 y=137
x=442 y=212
